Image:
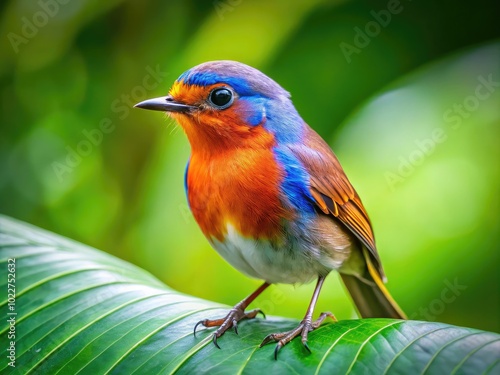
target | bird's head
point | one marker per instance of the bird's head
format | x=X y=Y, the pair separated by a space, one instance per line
x=227 y=104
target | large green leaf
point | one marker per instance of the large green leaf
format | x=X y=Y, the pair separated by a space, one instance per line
x=79 y=310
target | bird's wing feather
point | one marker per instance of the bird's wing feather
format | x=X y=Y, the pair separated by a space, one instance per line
x=332 y=191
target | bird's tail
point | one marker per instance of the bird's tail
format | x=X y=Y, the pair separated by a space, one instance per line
x=370 y=296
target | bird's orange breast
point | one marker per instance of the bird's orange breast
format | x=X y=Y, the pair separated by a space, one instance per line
x=240 y=187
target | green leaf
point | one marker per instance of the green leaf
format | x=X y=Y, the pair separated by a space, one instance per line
x=79 y=310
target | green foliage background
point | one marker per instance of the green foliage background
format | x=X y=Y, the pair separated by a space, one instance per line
x=436 y=226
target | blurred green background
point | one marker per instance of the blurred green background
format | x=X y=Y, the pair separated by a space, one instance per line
x=410 y=104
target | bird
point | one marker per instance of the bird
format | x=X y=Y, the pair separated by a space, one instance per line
x=270 y=195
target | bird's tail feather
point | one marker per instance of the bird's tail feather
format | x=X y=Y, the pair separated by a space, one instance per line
x=371 y=297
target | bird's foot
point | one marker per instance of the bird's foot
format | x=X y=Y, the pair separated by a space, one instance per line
x=236 y=314
x=303 y=329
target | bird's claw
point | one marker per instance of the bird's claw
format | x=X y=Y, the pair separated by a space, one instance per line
x=306 y=346
x=196 y=326
x=235 y=315
x=279 y=345
x=302 y=329
x=235 y=326
x=214 y=340
x=259 y=311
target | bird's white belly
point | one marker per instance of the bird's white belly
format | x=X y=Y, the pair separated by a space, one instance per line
x=259 y=259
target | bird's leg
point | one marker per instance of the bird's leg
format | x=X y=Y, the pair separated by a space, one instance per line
x=305 y=326
x=236 y=314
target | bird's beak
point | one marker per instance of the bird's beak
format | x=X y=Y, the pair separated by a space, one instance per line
x=165 y=104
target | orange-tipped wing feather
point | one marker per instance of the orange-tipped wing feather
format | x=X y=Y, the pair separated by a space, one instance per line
x=333 y=193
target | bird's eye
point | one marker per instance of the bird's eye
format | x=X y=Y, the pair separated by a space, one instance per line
x=221 y=98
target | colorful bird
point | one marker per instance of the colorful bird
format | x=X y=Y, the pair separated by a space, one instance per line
x=270 y=195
